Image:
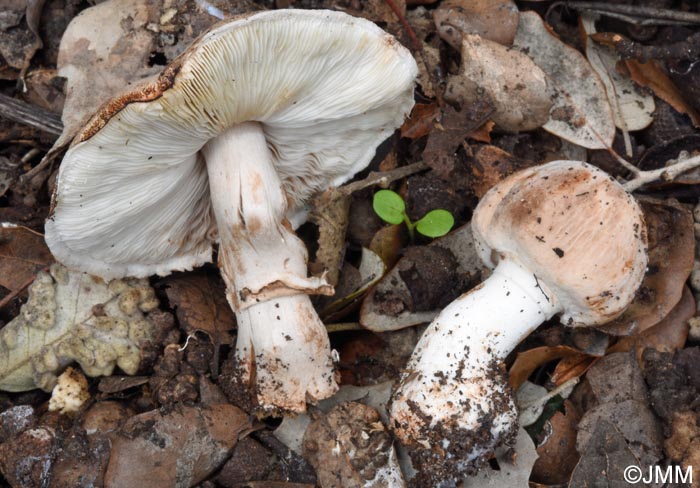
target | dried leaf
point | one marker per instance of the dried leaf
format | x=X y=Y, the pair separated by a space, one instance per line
x=508 y=79
x=23 y=253
x=605 y=459
x=528 y=361
x=557 y=452
x=571 y=367
x=388 y=306
x=632 y=109
x=581 y=113
x=496 y=21
x=489 y=165
x=671 y=258
x=179 y=448
x=669 y=335
x=388 y=242
x=19 y=36
x=652 y=76
x=513 y=473
x=77 y=317
x=200 y=303
x=421 y=120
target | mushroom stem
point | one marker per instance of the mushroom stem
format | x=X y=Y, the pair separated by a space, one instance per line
x=282 y=346
x=453 y=405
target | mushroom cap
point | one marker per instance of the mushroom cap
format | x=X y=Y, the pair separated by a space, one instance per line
x=575 y=228
x=132 y=197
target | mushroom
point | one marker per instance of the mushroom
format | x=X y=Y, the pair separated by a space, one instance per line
x=229 y=142
x=564 y=238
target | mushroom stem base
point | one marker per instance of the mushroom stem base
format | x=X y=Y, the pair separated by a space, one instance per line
x=283 y=354
x=282 y=346
x=454 y=405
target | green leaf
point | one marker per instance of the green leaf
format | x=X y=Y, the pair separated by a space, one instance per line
x=389 y=206
x=435 y=223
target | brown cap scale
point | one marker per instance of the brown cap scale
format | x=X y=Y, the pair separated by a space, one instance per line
x=259 y=114
x=564 y=238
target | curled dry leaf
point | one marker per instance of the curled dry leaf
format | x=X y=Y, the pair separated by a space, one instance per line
x=200 y=304
x=515 y=86
x=557 y=451
x=421 y=120
x=177 y=449
x=489 y=165
x=631 y=108
x=528 y=361
x=350 y=447
x=76 y=317
x=671 y=257
x=23 y=253
x=580 y=112
x=496 y=21
x=669 y=335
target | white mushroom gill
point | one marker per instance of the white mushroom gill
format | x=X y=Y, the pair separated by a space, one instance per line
x=282 y=347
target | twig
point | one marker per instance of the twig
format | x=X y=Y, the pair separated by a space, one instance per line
x=668 y=173
x=412 y=35
x=381 y=178
x=24 y=113
x=634 y=13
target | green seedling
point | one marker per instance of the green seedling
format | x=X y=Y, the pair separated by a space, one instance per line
x=392 y=209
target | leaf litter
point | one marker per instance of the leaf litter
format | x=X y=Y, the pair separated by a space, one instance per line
x=469 y=130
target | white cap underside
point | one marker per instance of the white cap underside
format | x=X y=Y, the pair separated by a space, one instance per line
x=328 y=88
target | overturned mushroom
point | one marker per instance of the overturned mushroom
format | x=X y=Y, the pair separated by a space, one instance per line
x=564 y=238
x=230 y=140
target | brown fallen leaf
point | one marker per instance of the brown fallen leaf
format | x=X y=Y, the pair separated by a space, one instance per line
x=557 y=452
x=489 y=165
x=507 y=78
x=496 y=21
x=388 y=242
x=528 y=361
x=671 y=258
x=22 y=254
x=483 y=133
x=178 y=449
x=19 y=35
x=604 y=460
x=421 y=121
x=580 y=112
x=669 y=335
x=651 y=75
x=571 y=367
x=200 y=303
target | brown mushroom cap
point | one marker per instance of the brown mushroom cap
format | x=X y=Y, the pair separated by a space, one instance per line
x=575 y=228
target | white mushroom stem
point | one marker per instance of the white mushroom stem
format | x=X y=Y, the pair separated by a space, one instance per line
x=282 y=347
x=454 y=405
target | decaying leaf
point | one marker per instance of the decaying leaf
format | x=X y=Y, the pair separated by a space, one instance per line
x=177 y=449
x=671 y=257
x=19 y=36
x=515 y=86
x=669 y=335
x=23 y=252
x=581 y=113
x=103 y=51
x=618 y=386
x=496 y=21
x=557 y=451
x=350 y=447
x=77 y=317
x=528 y=361
x=200 y=303
x=605 y=459
x=513 y=472
x=489 y=165
x=389 y=305
x=421 y=121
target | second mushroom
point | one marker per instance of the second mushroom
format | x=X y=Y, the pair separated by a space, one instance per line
x=233 y=137
x=563 y=238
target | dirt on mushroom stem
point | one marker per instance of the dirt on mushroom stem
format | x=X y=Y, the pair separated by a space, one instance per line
x=283 y=352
